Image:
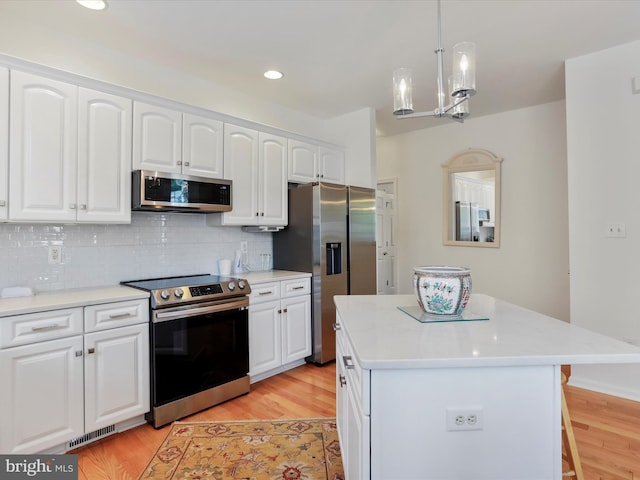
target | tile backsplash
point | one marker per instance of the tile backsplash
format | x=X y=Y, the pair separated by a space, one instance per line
x=153 y=245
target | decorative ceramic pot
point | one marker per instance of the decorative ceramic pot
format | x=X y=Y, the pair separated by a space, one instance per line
x=442 y=290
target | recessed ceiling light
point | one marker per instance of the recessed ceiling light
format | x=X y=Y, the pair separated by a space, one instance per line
x=93 y=4
x=273 y=75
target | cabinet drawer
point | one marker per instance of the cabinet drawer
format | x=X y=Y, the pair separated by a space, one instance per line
x=118 y=314
x=293 y=288
x=264 y=292
x=41 y=326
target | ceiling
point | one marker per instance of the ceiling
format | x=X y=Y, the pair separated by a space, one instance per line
x=338 y=55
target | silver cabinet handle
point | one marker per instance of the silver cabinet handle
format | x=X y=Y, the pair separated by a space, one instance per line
x=347 y=360
x=179 y=163
x=78 y=353
x=83 y=206
x=336 y=327
x=3 y=203
x=297 y=288
x=186 y=164
x=343 y=380
x=45 y=328
x=120 y=315
x=266 y=293
x=91 y=350
x=72 y=206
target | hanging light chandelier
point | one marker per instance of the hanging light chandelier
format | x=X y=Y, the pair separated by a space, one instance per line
x=462 y=84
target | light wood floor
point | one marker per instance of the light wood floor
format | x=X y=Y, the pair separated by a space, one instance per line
x=607 y=429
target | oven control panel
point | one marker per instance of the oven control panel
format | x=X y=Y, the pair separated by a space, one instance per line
x=201 y=290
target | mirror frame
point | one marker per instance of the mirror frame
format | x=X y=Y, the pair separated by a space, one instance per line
x=471 y=160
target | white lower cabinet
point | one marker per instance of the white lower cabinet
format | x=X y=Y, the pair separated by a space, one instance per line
x=116 y=375
x=41 y=395
x=59 y=389
x=352 y=411
x=279 y=326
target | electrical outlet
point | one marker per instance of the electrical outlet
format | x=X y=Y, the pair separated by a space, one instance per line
x=55 y=254
x=617 y=230
x=243 y=247
x=464 y=418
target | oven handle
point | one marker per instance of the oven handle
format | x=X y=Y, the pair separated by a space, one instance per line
x=163 y=316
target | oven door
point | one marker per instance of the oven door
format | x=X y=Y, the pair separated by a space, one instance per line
x=198 y=347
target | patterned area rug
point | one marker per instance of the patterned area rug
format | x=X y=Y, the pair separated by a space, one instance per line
x=305 y=449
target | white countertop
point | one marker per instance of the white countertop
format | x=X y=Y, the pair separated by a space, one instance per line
x=59 y=299
x=384 y=337
x=270 y=276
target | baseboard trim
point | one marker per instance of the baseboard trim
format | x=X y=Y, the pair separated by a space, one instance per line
x=581 y=382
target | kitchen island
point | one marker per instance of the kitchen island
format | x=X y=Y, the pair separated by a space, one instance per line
x=476 y=400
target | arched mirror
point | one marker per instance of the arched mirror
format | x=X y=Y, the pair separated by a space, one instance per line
x=471 y=198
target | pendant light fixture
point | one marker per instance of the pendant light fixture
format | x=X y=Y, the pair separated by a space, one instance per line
x=461 y=84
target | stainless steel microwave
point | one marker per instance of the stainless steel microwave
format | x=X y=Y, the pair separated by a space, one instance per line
x=169 y=192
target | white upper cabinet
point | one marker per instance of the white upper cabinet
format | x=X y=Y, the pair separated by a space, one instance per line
x=331 y=165
x=241 y=166
x=302 y=162
x=69 y=154
x=272 y=180
x=157 y=138
x=104 y=157
x=167 y=140
x=256 y=162
x=202 y=146
x=43 y=136
x=4 y=143
x=310 y=163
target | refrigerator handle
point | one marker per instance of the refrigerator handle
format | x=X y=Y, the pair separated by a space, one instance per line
x=334 y=258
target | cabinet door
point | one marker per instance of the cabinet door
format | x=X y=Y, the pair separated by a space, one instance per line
x=4 y=144
x=341 y=405
x=358 y=439
x=241 y=166
x=116 y=375
x=202 y=146
x=331 y=165
x=302 y=162
x=272 y=180
x=264 y=337
x=104 y=157
x=157 y=138
x=43 y=134
x=41 y=395
x=296 y=328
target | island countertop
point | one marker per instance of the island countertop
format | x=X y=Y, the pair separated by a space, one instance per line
x=384 y=337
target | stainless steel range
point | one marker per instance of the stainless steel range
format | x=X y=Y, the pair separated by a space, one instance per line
x=199 y=343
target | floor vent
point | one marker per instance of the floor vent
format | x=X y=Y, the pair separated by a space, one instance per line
x=90 y=437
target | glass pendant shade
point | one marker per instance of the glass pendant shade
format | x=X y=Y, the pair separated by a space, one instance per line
x=462 y=109
x=464 y=69
x=402 y=90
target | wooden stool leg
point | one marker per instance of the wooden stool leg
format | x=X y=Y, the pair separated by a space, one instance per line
x=569 y=442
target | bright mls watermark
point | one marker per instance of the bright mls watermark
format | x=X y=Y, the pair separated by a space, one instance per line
x=50 y=467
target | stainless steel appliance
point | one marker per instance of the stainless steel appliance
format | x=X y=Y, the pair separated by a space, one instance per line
x=199 y=337
x=467 y=222
x=331 y=234
x=169 y=192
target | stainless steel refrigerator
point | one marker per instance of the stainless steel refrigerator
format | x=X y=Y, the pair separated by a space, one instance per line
x=331 y=234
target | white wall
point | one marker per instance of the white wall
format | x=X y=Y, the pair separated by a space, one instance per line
x=357 y=131
x=603 y=142
x=531 y=266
